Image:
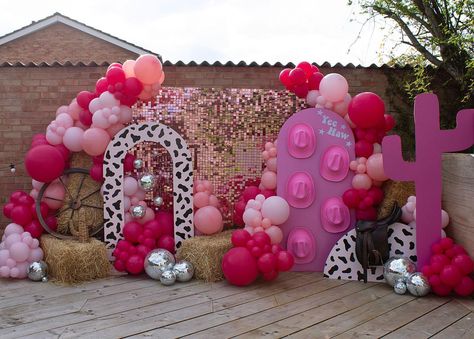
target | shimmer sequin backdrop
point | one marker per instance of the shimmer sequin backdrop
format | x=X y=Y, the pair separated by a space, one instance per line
x=225 y=129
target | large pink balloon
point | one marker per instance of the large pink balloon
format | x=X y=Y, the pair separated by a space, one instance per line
x=95 y=141
x=269 y=180
x=19 y=251
x=333 y=87
x=275 y=234
x=44 y=163
x=201 y=199
x=128 y=67
x=276 y=209
x=73 y=139
x=54 y=195
x=208 y=220
x=375 y=167
x=148 y=69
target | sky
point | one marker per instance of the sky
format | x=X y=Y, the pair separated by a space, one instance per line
x=225 y=30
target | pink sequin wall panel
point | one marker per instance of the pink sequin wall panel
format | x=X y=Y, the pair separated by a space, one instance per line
x=225 y=130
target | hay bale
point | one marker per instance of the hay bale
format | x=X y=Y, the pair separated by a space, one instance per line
x=205 y=253
x=85 y=216
x=395 y=191
x=70 y=261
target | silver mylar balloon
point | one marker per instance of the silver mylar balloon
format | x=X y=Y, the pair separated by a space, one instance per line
x=418 y=285
x=37 y=270
x=158 y=261
x=45 y=279
x=138 y=163
x=158 y=201
x=397 y=268
x=400 y=287
x=184 y=270
x=168 y=277
x=147 y=182
x=138 y=211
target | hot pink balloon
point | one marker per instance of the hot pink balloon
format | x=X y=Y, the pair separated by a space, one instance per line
x=276 y=209
x=95 y=141
x=73 y=139
x=208 y=220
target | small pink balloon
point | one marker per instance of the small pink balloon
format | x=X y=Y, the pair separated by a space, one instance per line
x=249 y=229
x=10 y=262
x=444 y=218
x=311 y=98
x=272 y=164
x=275 y=234
x=36 y=254
x=74 y=109
x=54 y=195
x=100 y=120
x=361 y=181
x=4 y=272
x=130 y=186
x=11 y=240
x=22 y=268
x=276 y=209
x=250 y=215
x=201 y=199
x=35 y=243
x=140 y=194
x=134 y=201
x=208 y=220
x=126 y=203
x=19 y=251
x=128 y=217
x=149 y=215
x=213 y=201
x=266 y=223
x=269 y=180
x=375 y=167
x=53 y=138
x=95 y=141
x=258 y=229
x=256 y=222
x=334 y=87
x=72 y=139
x=127 y=68
x=64 y=120
x=61 y=109
x=13 y=229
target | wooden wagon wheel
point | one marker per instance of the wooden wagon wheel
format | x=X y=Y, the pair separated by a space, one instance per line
x=76 y=204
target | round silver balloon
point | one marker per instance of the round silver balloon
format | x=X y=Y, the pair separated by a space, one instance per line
x=45 y=279
x=147 y=182
x=158 y=261
x=138 y=211
x=138 y=163
x=400 y=287
x=418 y=285
x=398 y=268
x=158 y=201
x=37 y=270
x=184 y=270
x=168 y=277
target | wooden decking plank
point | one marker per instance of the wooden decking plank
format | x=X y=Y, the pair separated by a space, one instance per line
x=265 y=327
x=308 y=294
x=463 y=328
x=400 y=316
x=432 y=322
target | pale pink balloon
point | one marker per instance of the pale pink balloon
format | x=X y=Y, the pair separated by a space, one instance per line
x=61 y=109
x=269 y=180
x=128 y=217
x=250 y=215
x=74 y=109
x=107 y=99
x=149 y=215
x=95 y=105
x=134 y=201
x=208 y=186
x=4 y=255
x=142 y=203
x=148 y=69
x=208 y=220
x=140 y=194
x=272 y=164
x=36 y=184
x=114 y=129
x=201 y=199
x=127 y=68
x=19 y=251
x=54 y=195
x=13 y=229
x=444 y=218
x=34 y=193
x=12 y=239
x=4 y=272
x=258 y=229
x=375 y=167
x=22 y=268
x=311 y=98
x=36 y=254
x=361 y=181
x=35 y=243
x=73 y=139
x=95 y=141
x=53 y=138
x=213 y=201
x=126 y=203
x=276 y=209
x=64 y=120
x=99 y=120
x=266 y=223
x=333 y=87
x=249 y=229
x=130 y=186
x=275 y=234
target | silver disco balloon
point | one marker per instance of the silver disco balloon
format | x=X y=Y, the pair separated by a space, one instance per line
x=45 y=279
x=397 y=268
x=158 y=261
x=158 y=201
x=168 y=277
x=400 y=287
x=147 y=181
x=138 y=163
x=138 y=211
x=184 y=270
x=418 y=285
x=37 y=270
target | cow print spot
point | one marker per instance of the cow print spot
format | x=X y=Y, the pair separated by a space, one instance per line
x=135 y=138
x=183 y=188
x=181 y=235
x=343 y=259
x=179 y=221
x=333 y=269
x=412 y=245
x=399 y=241
x=124 y=134
x=348 y=270
x=188 y=212
x=414 y=258
x=116 y=205
x=346 y=244
x=142 y=127
x=406 y=232
x=178 y=143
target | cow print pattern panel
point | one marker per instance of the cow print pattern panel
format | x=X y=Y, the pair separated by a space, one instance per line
x=113 y=185
x=342 y=262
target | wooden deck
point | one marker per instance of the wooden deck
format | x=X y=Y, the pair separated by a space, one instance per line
x=299 y=305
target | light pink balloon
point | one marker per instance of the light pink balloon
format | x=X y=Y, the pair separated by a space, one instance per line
x=54 y=195
x=375 y=167
x=36 y=254
x=19 y=251
x=107 y=99
x=126 y=203
x=128 y=217
x=208 y=220
x=4 y=271
x=34 y=193
x=269 y=180
x=4 y=255
x=73 y=139
x=321 y=101
x=95 y=141
x=130 y=186
x=249 y=229
x=148 y=69
x=444 y=218
x=125 y=114
x=64 y=120
x=74 y=109
x=334 y=87
x=201 y=199
x=250 y=215
x=61 y=109
x=258 y=229
x=53 y=138
x=114 y=129
x=127 y=68
x=311 y=98
x=95 y=105
x=272 y=164
x=13 y=229
x=213 y=201
x=99 y=120
x=149 y=215
x=276 y=209
x=275 y=234
x=11 y=240
x=22 y=268
x=361 y=181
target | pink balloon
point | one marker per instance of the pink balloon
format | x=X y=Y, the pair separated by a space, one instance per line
x=73 y=139
x=22 y=268
x=213 y=201
x=74 y=109
x=276 y=209
x=13 y=229
x=250 y=216
x=36 y=254
x=275 y=234
x=19 y=251
x=61 y=109
x=148 y=69
x=130 y=186
x=269 y=180
x=333 y=87
x=11 y=240
x=127 y=68
x=311 y=98
x=149 y=215
x=361 y=181
x=95 y=141
x=272 y=164
x=99 y=120
x=208 y=220
x=375 y=167
x=4 y=255
x=128 y=217
x=64 y=120
x=54 y=195
x=114 y=129
x=201 y=199
x=444 y=218
x=140 y=194
x=126 y=203
x=250 y=230
x=53 y=138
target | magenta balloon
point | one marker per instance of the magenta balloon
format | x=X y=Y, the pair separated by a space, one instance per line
x=95 y=141
x=44 y=163
x=208 y=220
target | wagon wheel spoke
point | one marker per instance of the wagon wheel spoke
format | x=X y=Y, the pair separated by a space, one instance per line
x=53 y=199
x=67 y=189
x=80 y=185
x=90 y=194
x=61 y=211
x=92 y=206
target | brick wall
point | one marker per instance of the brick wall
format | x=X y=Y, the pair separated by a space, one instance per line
x=59 y=42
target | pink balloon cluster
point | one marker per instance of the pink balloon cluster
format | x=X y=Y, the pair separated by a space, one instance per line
x=149 y=71
x=108 y=114
x=18 y=250
x=207 y=215
x=409 y=214
x=265 y=214
x=54 y=194
x=134 y=195
x=368 y=172
x=333 y=94
x=269 y=175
